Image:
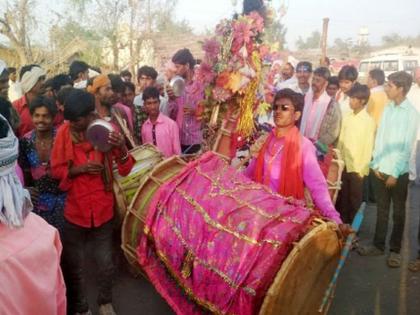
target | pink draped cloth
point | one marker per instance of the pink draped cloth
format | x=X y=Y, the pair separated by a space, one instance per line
x=30 y=274
x=219 y=236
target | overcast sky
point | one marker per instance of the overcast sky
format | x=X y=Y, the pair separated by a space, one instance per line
x=381 y=17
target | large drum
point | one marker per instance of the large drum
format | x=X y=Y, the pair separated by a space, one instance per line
x=135 y=217
x=125 y=187
x=299 y=276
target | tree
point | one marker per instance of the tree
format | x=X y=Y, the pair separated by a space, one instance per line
x=63 y=34
x=312 y=42
x=343 y=47
x=14 y=25
x=275 y=34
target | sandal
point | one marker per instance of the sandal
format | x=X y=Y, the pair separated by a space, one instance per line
x=369 y=250
x=394 y=260
x=414 y=265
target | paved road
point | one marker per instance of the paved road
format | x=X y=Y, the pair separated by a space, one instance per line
x=366 y=285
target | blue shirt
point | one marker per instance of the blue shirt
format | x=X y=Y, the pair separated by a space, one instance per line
x=395 y=139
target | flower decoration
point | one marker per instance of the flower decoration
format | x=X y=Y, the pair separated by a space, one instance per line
x=231 y=69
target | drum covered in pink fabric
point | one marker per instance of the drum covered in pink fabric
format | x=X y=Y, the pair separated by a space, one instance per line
x=216 y=237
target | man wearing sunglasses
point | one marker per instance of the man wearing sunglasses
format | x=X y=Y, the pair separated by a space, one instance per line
x=286 y=161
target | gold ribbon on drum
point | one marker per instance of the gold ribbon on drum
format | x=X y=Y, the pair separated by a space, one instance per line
x=187 y=265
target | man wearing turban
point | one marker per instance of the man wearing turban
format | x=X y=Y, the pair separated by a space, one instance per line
x=32 y=77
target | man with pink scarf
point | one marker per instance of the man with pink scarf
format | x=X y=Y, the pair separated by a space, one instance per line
x=321 y=118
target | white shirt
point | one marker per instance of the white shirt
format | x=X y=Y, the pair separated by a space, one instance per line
x=287 y=84
x=344 y=102
x=15 y=91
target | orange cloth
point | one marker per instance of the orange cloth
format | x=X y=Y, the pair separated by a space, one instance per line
x=99 y=81
x=291 y=176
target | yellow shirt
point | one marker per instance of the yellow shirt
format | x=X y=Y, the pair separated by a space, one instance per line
x=356 y=141
x=377 y=102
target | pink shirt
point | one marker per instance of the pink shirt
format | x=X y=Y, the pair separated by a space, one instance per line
x=189 y=125
x=166 y=135
x=30 y=274
x=313 y=178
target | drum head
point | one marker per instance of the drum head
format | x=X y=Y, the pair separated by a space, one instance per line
x=98 y=133
x=305 y=275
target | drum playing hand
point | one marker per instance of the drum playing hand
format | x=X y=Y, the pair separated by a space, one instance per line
x=116 y=139
x=94 y=168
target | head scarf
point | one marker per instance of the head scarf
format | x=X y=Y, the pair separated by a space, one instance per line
x=3 y=66
x=100 y=81
x=15 y=201
x=30 y=78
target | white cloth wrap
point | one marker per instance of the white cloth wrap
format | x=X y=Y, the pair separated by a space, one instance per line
x=15 y=201
x=30 y=78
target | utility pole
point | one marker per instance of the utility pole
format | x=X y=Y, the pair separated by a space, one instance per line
x=324 y=40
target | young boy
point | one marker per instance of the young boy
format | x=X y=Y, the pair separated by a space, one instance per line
x=159 y=129
x=393 y=147
x=378 y=98
x=86 y=175
x=333 y=87
x=347 y=78
x=355 y=144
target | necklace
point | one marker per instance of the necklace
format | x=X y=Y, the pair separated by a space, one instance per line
x=43 y=147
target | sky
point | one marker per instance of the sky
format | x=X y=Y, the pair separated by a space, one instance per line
x=381 y=17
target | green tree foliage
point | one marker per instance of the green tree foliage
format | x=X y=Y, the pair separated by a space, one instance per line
x=311 y=42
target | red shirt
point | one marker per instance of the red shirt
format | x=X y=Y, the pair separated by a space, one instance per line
x=58 y=119
x=88 y=204
x=22 y=109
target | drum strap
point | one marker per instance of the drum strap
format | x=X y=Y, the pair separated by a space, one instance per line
x=124 y=128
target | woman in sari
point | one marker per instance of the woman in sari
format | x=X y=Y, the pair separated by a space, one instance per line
x=286 y=161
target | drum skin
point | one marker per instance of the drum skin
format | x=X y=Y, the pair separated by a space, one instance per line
x=304 y=276
x=97 y=134
x=125 y=187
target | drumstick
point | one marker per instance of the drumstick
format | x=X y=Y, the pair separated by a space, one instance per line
x=344 y=253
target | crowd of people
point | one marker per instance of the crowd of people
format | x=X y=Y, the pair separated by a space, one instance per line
x=47 y=162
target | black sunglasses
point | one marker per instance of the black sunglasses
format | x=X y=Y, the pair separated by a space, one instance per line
x=283 y=107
